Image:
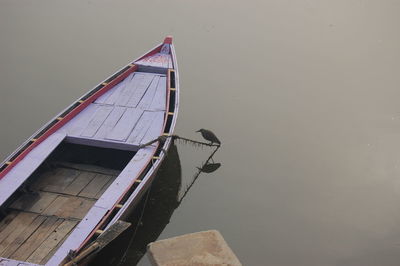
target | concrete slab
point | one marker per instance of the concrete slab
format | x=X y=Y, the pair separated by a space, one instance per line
x=200 y=249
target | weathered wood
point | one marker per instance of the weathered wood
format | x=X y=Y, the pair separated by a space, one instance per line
x=90 y=168
x=16 y=227
x=111 y=100
x=34 y=202
x=98 y=120
x=129 y=89
x=54 y=250
x=159 y=101
x=104 y=188
x=94 y=187
x=125 y=125
x=22 y=219
x=140 y=90
x=78 y=235
x=37 y=238
x=21 y=238
x=7 y=220
x=74 y=208
x=61 y=179
x=155 y=129
x=110 y=122
x=149 y=95
x=79 y=123
x=55 y=205
x=79 y=183
x=51 y=241
x=141 y=128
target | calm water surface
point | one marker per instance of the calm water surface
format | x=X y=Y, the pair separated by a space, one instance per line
x=304 y=95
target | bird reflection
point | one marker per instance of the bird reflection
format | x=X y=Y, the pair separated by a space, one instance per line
x=210 y=167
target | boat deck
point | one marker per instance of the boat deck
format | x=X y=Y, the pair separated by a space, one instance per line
x=41 y=219
x=127 y=115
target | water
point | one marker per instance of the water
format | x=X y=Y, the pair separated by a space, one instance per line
x=303 y=94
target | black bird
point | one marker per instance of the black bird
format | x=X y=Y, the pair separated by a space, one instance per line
x=209 y=135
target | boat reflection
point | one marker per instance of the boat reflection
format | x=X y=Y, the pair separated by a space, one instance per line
x=153 y=213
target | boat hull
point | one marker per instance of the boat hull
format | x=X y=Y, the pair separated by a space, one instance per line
x=133 y=106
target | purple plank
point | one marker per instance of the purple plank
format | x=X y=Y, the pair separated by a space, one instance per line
x=125 y=125
x=140 y=90
x=141 y=128
x=98 y=119
x=130 y=89
x=76 y=125
x=160 y=99
x=19 y=173
x=156 y=127
x=119 y=86
x=10 y=262
x=149 y=95
x=110 y=122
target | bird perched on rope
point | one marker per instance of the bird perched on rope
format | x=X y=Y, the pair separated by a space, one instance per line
x=210 y=136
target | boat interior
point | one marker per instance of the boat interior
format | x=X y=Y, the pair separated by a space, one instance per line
x=55 y=199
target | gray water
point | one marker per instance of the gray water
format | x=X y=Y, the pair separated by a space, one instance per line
x=304 y=95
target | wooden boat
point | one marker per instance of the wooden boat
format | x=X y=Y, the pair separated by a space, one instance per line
x=87 y=168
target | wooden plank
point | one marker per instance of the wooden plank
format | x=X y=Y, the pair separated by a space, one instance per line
x=34 y=241
x=140 y=90
x=61 y=179
x=79 y=183
x=104 y=188
x=74 y=207
x=118 y=89
x=79 y=123
x=7 y=220
x=51 y=253
x=12 y=231
x=78 y=235
x=52 y=240
x=156 y=127
x=55 y=205
x=97 y=120
x=160 y=98
x=129 y=89
x=34 y=202
x=141 y=128
x=21 y=238
x=110 y=122
x=125 y=125
x=149 y=95
x=103 y=99
x=94 y=187
x=16 y=221
x=89 y=168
